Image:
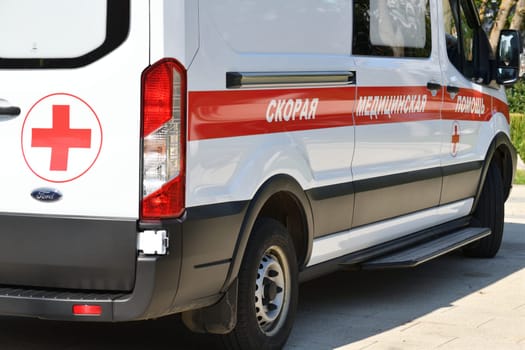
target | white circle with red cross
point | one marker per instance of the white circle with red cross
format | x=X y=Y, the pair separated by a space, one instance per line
x=61 y=138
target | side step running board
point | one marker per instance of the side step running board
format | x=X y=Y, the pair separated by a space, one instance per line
x=416 y=255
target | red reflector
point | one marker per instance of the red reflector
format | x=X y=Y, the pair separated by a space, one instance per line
x=87 y=310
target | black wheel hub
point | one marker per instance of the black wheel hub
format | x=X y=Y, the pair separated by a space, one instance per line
x=270 y=291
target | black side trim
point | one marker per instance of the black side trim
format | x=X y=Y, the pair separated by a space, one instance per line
x=462 y=168
x=396 y=179
x=216 y=210
x=377 y=183
x=117 y=29
x=332 y=191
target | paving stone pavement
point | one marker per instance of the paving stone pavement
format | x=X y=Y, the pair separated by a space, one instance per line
x=449 y=303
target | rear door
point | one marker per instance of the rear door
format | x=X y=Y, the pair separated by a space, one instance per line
x=70 y=88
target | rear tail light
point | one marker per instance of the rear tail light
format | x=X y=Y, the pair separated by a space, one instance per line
x=164 y=138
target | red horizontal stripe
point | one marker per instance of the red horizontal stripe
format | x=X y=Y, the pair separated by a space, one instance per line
x=232 y=113
x=380 y=105
x=215 y=114
x=469 y=105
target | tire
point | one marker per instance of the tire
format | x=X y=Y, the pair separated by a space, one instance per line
x=490 y=213
x=268 y=289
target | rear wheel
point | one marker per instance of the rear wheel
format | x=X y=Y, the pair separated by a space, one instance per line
x=268 y=289
x=490 y=213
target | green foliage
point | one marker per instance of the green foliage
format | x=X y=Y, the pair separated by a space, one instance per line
x=516 y=97
x=517 y=133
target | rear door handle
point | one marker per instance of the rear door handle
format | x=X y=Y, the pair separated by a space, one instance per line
x=9 y=112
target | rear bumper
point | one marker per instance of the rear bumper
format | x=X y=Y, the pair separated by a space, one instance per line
x=58 y=305
x=56 y=263
x=49 y=264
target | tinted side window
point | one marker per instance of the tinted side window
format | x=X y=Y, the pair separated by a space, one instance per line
x=451 y=24
x=467 y=39
x=460 y=34
x=392 y=28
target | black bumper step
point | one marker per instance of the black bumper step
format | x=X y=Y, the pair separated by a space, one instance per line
x=416 y=255
x=58 y=295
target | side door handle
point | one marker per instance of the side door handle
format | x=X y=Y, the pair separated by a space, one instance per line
x=433 y=87
x=9 y=112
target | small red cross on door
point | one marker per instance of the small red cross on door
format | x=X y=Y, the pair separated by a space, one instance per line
x=60 y=138
x=456 y=135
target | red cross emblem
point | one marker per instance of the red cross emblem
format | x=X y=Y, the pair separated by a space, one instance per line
x=456 y=136
x=61 y=138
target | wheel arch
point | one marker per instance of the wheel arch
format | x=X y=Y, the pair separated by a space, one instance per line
x=502 y=152
x=282 y=198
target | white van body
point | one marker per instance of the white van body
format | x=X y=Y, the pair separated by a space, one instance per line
x=344 y=124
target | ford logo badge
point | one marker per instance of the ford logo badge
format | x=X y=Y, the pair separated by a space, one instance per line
x=46 y=195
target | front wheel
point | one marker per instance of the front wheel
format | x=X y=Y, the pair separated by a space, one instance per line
x=268 y=289
x=490 y=213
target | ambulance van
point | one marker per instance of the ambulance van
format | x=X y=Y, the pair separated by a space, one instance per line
x=204 y=157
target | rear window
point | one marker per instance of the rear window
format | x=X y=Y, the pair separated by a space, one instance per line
x=60 y=33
